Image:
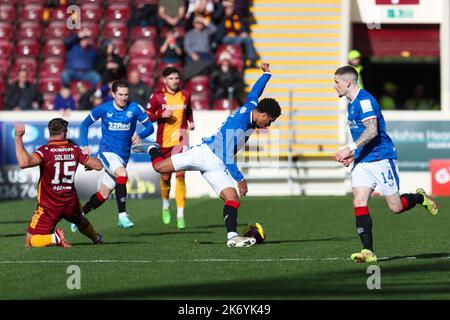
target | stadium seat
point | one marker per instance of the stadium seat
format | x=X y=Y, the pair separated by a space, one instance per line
x=118 y=12
x=49 y=101
x=75 y=84
x=31 y=11
x=13 y=2
x=143 y=65
x=91 y=11
x=91 y=28
x=27 y=48
x=54 y=47
x=81 y=2
x=24 y=2
x=50 y=84
x=225 y=104
x=148 y=33
x=179 y=30
x=27 y=63
x=234 y=50
x=117 y=30
x=7 y=12
x=56 y=30
x=6 y=31
x=2 y=101
x=121 y=47
x=58 y=14
x=142 y=48
x=6 y=49
x=199 y=102
x=29 y=30
x=52 y=66
x=2 y=86
x=138 y=2
x=4 y=66
x=198 y=85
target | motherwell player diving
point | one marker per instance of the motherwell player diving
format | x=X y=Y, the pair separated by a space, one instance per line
x=171 y=107
x=57 y=197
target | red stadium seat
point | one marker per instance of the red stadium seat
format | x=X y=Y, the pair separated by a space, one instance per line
x=199 y=102
x=115 y=30
x=7 y=12
x=148 y=33
x=234 y=50
x=8 y=2
x=56 y=30
x=142 y=48
x=29 y=30
x=91 y=28
x=31 y=11
x=81 y=2
x=2 y=86
x=49 y=101
x=50 y=84
x=27 y=63
x=4 y=66
x=91 y=11
x=118 y=12
x=6 y=49
x=6 y=31
x=54 y=47
x=52 y=66
x=121 y=47
x=143 y=65
x=198 y=85
x=58 y=14
x=27 y=48
x=225 y=104
x=23 y=2
x=138 y=2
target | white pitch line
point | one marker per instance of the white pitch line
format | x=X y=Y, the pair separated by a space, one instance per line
x=198 y=260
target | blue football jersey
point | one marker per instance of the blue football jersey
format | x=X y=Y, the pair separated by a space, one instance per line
x=118 y=126
x=362 y=108
x=236 y=130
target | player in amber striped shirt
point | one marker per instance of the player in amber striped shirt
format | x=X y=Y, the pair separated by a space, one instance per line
x=171 y=107
x=57 y=197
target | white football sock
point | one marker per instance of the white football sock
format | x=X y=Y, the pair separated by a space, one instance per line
x=55 y=238
x=180 y=212
x=231 y=235
x=166 y=203
x=122 y=215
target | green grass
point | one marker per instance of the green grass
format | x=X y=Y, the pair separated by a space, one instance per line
x=305 y=256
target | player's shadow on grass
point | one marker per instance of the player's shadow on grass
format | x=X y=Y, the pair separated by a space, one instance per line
x=347 y=283
x=12 y=235
x=216 y=226
x=268 y=242
x=15 y=222
x=436 y=255
x=171 y=233
x=106 y=243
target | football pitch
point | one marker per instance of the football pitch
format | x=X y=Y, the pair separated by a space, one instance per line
x=305 y=256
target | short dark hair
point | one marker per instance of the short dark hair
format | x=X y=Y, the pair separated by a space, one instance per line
x=120 y=84
x=57 y=126
x=269 y=106
x=169 y=70
x=347 y=70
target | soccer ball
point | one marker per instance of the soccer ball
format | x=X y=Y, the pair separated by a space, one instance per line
x=256 y=231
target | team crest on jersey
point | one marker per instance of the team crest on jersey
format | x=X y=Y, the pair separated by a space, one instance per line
x=243 y=109
x=129 y=114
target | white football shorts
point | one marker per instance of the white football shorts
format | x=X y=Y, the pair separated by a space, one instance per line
x=383 y=173
x=111 y=162
x=201 y=158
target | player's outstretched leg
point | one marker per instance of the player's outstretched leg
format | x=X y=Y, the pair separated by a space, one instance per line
x=121 y=199
x=94 y=202
x=180 y=196
x=88 y=230
x=165 y=192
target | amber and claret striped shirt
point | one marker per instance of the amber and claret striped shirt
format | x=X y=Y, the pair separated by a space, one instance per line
x=171 y=131
x=59 y=161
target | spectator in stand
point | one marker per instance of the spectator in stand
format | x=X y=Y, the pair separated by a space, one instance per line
x=225 y=76
x=139 y=91
x=144 y=14
x=81 y=57
x=354 y=59
x=197 y=44
x=171 y=50
x=64 y=101
x=420 y=100
x=109 y=65
x=171 y=13
x=202 y=8
x=234 y=30
x=389 y=98
x=22 y=94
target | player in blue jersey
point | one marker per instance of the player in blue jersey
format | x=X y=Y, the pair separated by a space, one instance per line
x=119 y=118
x=375 y=160
x=214 y=158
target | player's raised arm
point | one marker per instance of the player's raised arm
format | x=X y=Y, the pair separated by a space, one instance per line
x=259 y=86
x=24 y=159
x=93 y=116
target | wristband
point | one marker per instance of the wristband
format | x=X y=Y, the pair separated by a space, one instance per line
x=352 y=146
